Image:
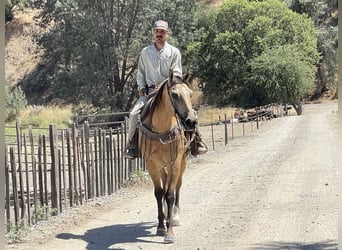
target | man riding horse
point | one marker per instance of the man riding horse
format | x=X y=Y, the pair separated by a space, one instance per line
x=155 y=63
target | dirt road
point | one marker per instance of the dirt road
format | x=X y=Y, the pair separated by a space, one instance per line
x=274 y=189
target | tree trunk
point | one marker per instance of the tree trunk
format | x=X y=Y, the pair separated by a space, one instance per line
x=298 y=107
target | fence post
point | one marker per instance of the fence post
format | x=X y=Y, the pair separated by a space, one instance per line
x=54 y=169
x=232 y=125
x=257 y=117
x=88 y=165
x=212 y=133
x=14 y=186
x=22 y=196
x=8 y=212
x=225 y=130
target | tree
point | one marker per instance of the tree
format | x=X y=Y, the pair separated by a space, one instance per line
x=280 y=75
x=92 y=47
x=240 y=32
x=325 y=18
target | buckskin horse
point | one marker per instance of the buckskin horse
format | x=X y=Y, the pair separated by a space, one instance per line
x=164 y=144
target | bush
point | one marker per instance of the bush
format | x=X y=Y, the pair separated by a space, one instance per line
x=15 y=101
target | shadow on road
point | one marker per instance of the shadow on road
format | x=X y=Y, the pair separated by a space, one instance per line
x=107 y=237
x=325 y=245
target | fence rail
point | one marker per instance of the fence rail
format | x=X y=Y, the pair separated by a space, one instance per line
x=49 y=173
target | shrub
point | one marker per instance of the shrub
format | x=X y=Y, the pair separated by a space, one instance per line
x=15 y=101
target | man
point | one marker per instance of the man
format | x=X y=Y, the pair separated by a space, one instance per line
x=154 y=65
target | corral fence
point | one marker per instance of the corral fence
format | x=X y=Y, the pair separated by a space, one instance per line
x=50 y=170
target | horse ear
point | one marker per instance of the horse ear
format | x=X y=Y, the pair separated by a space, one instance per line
x=170 y=75
x=186 y=77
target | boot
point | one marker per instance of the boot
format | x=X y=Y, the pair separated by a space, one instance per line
x=198 y=147
x=131 y=151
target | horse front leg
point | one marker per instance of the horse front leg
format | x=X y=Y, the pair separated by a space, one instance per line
x=159 y=194
x=176 y=219
x=176 y=209
x=170 y=201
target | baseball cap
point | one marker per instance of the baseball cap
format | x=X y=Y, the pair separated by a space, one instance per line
x=161 y=24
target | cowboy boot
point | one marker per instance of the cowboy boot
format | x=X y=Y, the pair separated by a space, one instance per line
x=198 y=147
x=131 y=151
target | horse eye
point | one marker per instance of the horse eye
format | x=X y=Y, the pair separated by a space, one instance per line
x=174 y=96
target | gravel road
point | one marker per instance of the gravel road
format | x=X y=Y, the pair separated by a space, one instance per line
x=273 y=189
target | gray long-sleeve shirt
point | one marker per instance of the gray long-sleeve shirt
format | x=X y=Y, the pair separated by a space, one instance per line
x=154 y=65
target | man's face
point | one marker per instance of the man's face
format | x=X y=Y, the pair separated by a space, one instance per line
x=160 y=36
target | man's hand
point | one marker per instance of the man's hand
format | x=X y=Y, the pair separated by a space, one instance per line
x=142 y=92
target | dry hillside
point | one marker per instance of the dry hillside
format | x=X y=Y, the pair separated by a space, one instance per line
x=21 y=54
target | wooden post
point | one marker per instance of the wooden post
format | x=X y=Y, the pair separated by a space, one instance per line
x=232 y=126
x=40 y=171
x=88 y=165
x=8 y=205
x=34 y=174
x=75 y=161
x=46 y=192
x=79 y=169
x=111 y=163
x=104 y=165
x=63 y=170
x=22 y=195
x=115 y=166
x=60 y=191
x=70 y=170
x=28 y=198
x=100 y=163
x=225 y=130
x=96 y=153
x=54 y=169
x=257 y=117
x=120 y=157
x=212 y=133
x=92 y=171
x=14 y=186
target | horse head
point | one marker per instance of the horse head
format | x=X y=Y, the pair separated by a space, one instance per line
x=180 y=95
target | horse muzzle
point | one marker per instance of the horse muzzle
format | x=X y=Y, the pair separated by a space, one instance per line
x=189 y=121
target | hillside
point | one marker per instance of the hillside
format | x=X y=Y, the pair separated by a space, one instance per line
x=21 y=53
x=22 y=56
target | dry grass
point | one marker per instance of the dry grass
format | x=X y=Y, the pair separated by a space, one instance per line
x=20 y=50
x=207 y=115
x=43 y=116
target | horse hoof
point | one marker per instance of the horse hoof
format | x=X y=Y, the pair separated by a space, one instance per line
x=160 y=231
x=169 y=239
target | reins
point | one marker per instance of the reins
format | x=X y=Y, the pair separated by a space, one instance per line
x=174 y=133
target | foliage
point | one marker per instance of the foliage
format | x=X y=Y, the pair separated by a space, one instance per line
x=238 y=34
x=10 y=5
x=280 y=75
x=322 y=14
x=14 y=102
x=92 y=48
x=17 y=232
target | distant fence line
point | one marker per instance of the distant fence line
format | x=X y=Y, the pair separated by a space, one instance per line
x=49 y=173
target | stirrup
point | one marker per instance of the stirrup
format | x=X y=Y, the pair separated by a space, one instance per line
x=130 y=153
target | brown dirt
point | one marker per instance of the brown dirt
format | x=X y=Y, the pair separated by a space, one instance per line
x=272 y=189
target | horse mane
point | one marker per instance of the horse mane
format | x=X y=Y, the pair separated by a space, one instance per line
x=156 y=98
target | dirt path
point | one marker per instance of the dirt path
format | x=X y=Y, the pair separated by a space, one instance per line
x=274 y=189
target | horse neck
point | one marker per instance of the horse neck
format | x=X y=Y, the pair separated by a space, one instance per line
x=163 y=117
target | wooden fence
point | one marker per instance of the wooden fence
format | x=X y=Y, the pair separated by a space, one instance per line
x=48 y=172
